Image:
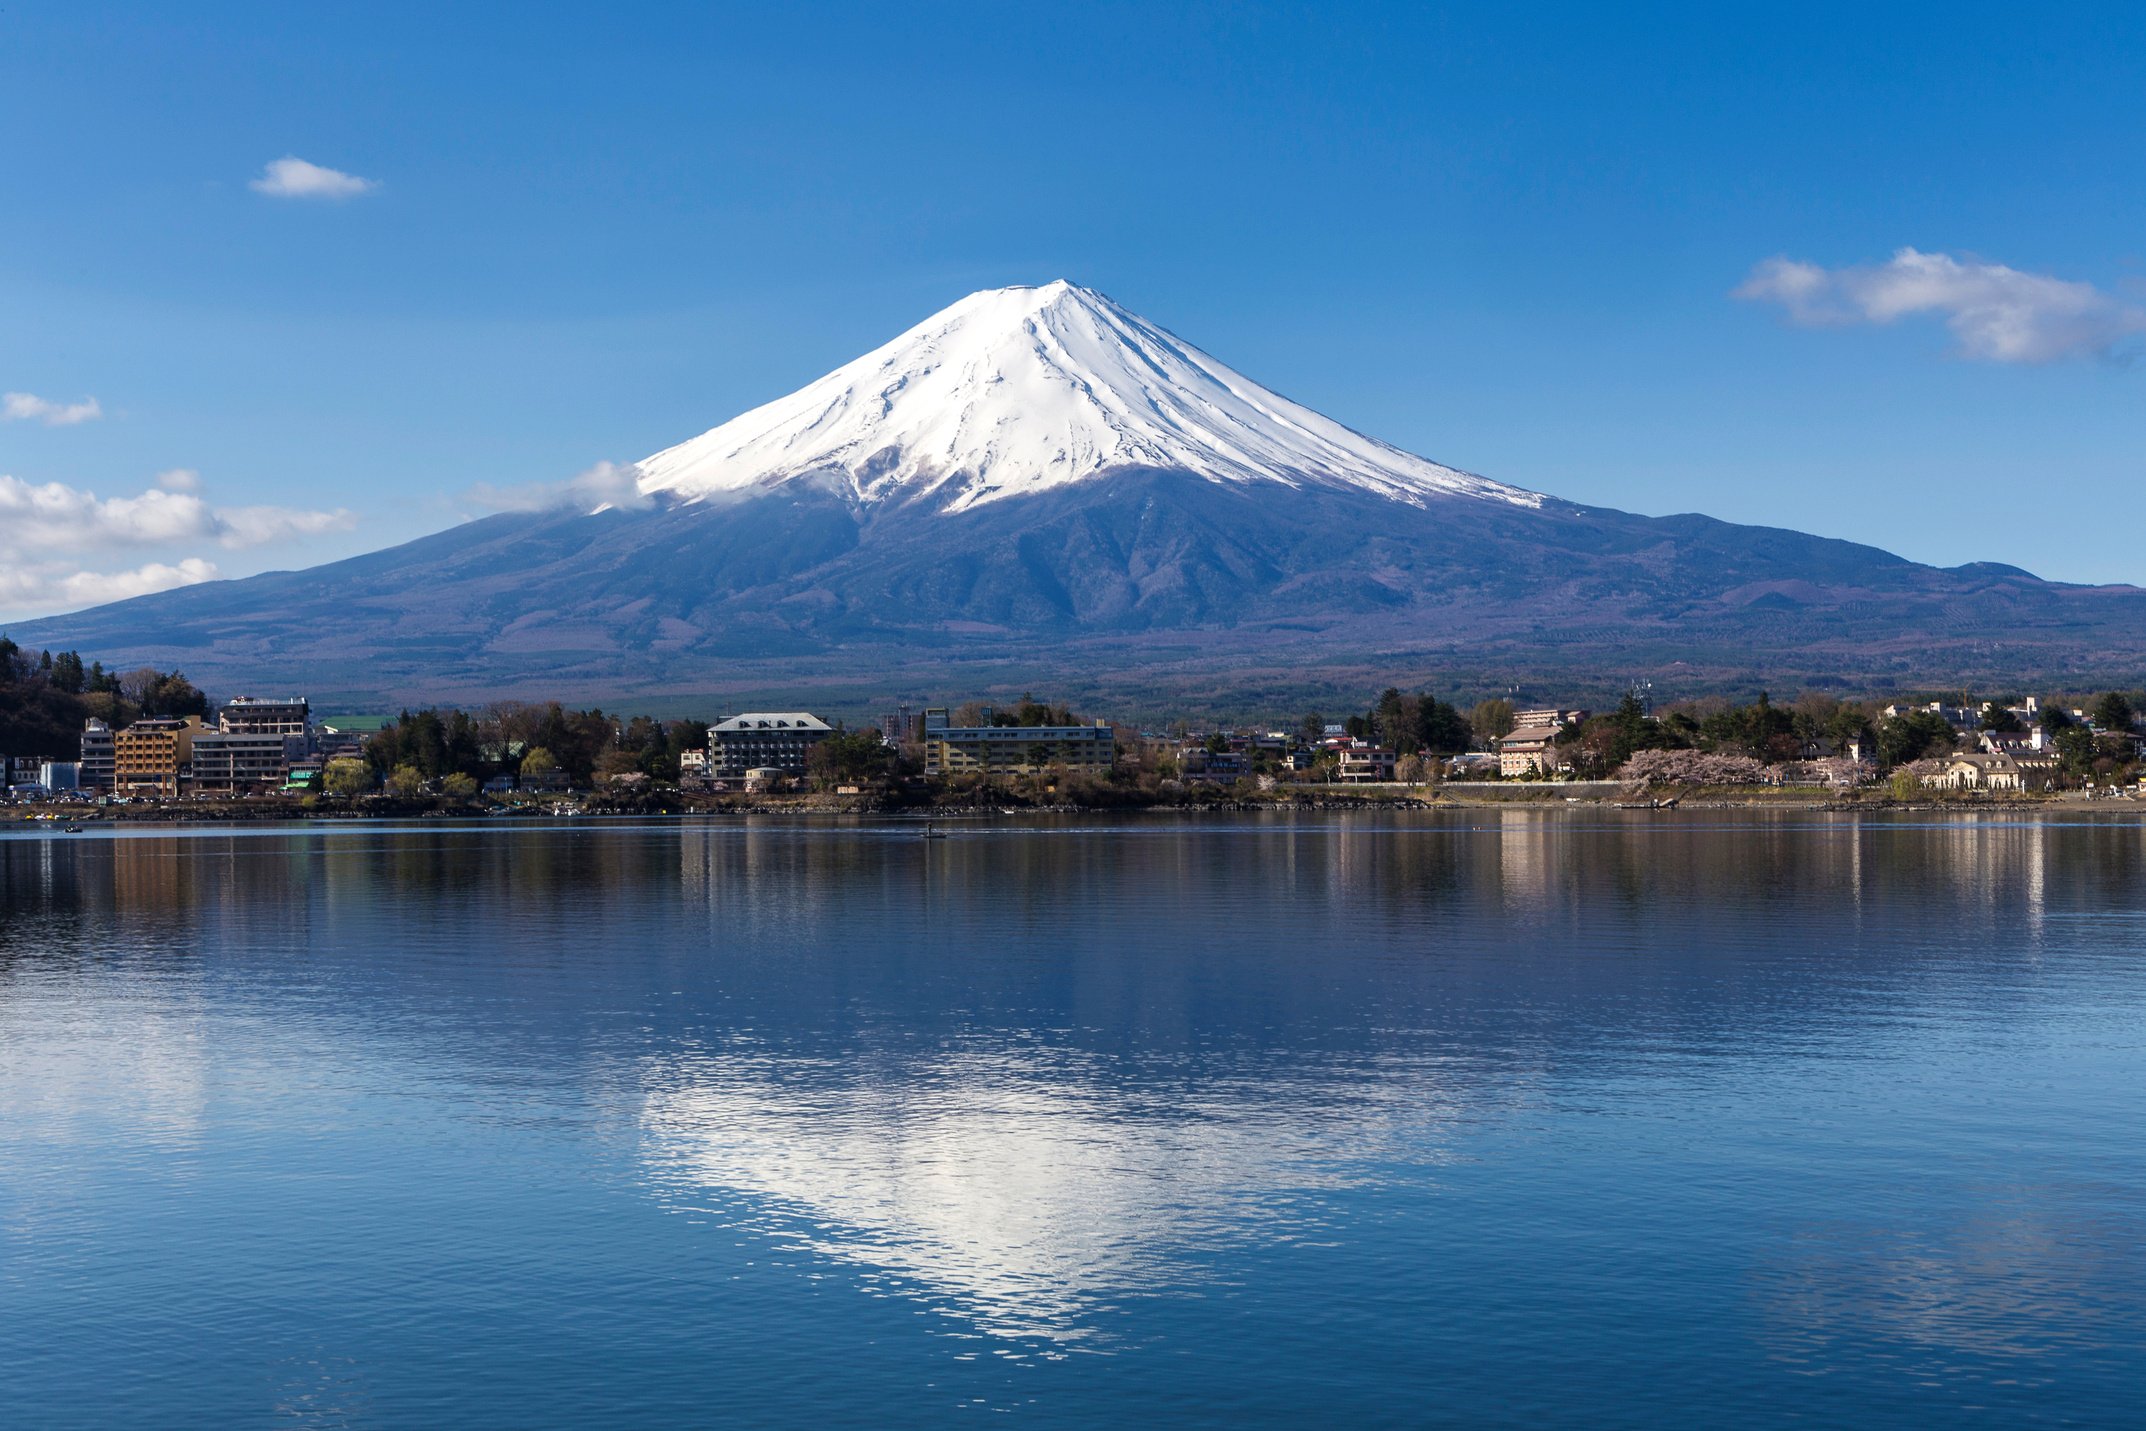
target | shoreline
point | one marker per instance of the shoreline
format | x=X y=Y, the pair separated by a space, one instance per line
x=680 y=806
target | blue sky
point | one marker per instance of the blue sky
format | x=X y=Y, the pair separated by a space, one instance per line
x=1509 y=241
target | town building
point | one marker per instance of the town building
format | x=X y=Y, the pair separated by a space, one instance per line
x=254 y=746
x=18 y=774
x=96 y=771
x=1196 y=764
x=1528 y=750
x=255 y=715
x=2012 y=742
x=243 y=762
x=897 y=725
x=775 y=740
x=149 y=756
x=1958 y=717
x=1014 y=749
x=1977 y=772
x=60 y=775
x=1359 y=762
x=336 y=737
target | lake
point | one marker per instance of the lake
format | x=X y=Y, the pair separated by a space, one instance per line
x=1501 y=1118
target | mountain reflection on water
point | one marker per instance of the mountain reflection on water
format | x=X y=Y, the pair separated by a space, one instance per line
x=1515 y=1113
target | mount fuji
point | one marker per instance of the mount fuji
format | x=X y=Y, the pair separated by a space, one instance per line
x=1037 y=487
x=1015 y=392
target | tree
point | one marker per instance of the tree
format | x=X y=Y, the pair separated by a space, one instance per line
x=162 y=693
x=346 y=776
x=1912 y=736
x=1491 y=719
x=67 y=672
x=1439 y=728
x=406 y=782
x=1393 y=722
x=459 y=786
x=539 y=761
x=1996 y=718
x=2077 y=751
x=1761 y=729
x=2112 y=711
x=1693 y=767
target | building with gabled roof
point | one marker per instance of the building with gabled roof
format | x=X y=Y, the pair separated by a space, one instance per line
x=770 y=740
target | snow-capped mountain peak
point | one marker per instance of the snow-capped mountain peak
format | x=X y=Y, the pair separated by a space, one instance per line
x=1014 y=391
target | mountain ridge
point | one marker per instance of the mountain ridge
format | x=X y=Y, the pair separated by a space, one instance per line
x=906 y=524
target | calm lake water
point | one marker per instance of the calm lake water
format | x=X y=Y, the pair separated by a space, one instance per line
x=1505 y=1119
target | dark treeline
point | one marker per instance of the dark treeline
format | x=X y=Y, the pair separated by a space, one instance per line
x=1418 y=724
x=45 y=699
x=535 y=739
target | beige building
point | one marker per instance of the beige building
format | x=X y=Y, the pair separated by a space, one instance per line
x=1977 y=772
x=1359 y=762
x=1528 y=750
x=1014 y=749
x=149 y=756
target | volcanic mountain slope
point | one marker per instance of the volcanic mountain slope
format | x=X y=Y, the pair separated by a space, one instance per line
x=1039 y=486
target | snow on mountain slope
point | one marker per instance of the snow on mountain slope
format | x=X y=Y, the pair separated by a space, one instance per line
x=1014 y=391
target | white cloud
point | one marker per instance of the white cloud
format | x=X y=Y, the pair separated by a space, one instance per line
x=1996 y=314
x=607 y=484
x=51 y=588
x=293 y=178
x=29 y=407
x=56 y=517
x=258 y=526
x=53 y=537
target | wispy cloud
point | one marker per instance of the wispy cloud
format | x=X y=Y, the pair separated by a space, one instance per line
x=50 y=588
x=607 y=484
x=293 y=178
x=29 y=407
x=179 y=479
x=1995 y=313
x=259 y=526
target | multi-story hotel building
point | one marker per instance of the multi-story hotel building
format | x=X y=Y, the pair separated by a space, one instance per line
x=765 y=740
x=1014 y=749
x=253 y=747
x=96 y=755
x=256 y=715
x=149 y=755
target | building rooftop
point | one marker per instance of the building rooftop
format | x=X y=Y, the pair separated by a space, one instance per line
x=770 y=721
